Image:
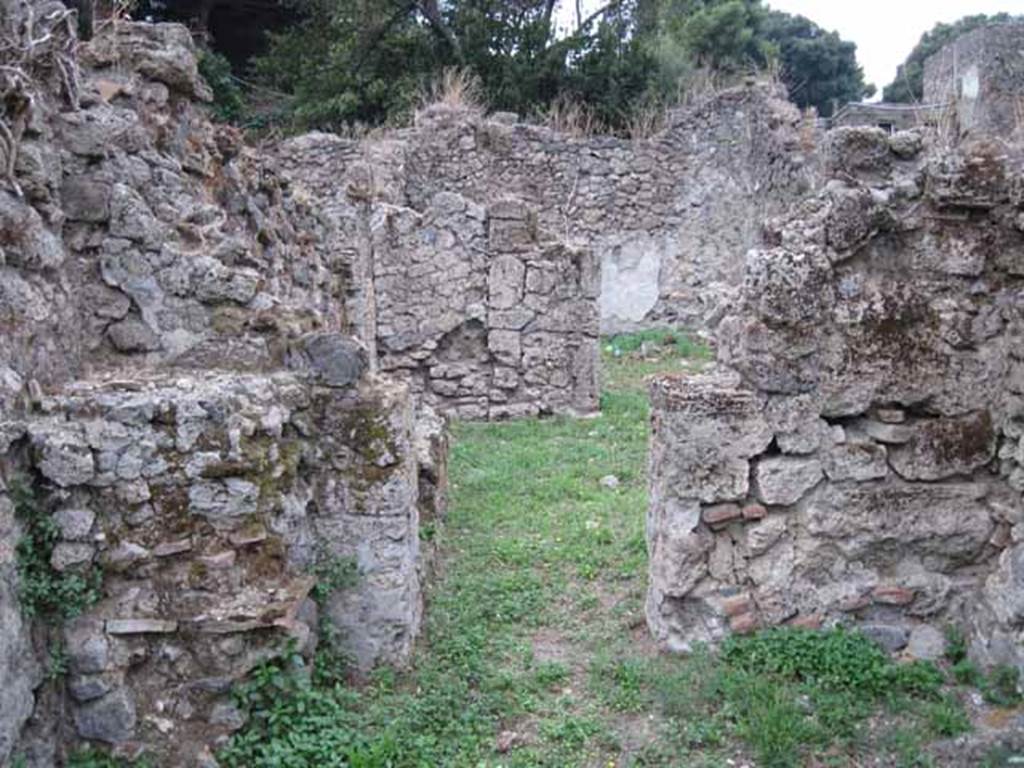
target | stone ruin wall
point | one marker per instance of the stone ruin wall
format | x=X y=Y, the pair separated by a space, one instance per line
x=179 y=381
x=855 y=456
x=668 y=217
x=487 y=255
x=480 y=311
x=978 y=77
x=180 y=389
x=482 y=315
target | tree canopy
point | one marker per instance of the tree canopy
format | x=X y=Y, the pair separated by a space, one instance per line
x=909 y=83
x=365 y=61
x=819 y=68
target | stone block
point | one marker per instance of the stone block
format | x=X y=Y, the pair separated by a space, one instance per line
x=85 y=199
x=89 y=687
x=68 y=554
x=506 y=282
x=75 y=523
x=764 y=534
x=706 y=428
x=133 y=336
x=140 y=626
x=223 y=501
x=87 y=646
x=63 y=456
x=783 y=480
x=857 y=460
x=335 y=360
x=942 y=448
x=506 y=347
x=887 y=521
x=110 y=718
x=891 y=637
x=679 y=550
x=926 y=643
x=892 y=433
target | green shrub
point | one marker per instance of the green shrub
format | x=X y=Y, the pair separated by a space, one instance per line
x=946 y=717
x=919 y=678
x=333 y=574
x=551 y=673
x=228 y=101
x=1001 y=686
x=966 y=672
x=620 y=682
x=841 y=676
x=44 y=591
x=956 y=644
x=836 y=658
x=57 y=662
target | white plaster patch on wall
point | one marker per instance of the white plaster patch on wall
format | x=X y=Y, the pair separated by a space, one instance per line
x=970 y=83
x=970 y=87
x=630 y=278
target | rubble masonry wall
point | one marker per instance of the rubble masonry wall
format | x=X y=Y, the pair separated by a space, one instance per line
x=855 y=456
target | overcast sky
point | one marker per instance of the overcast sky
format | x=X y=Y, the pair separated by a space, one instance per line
x=884 y=30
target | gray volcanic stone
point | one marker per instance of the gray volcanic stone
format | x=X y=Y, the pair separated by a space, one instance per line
x=709 y=428
x=926 y=643
x=63 y=458
x=223 y=499
x=20 y=672
x=110 y=719
x=70 y=553
x=890 y=636
x=130 y=335
x=885 y=432
x=855 y=459
x=88 y=687
x=942 y=523
x=681 y=547
x=782 y=480
x=762 y=535
x=336 y=360
x=86 y=200
x=87 y=645
x=75 y=523
x=941 y=448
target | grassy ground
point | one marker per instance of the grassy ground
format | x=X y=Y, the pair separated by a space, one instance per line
x=536 y=653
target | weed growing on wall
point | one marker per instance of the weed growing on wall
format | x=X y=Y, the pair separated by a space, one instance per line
x=57 y=662
x=332 y=574
x=332 y=662
x=1002 y=686
x=44 y=591
x=94 y=758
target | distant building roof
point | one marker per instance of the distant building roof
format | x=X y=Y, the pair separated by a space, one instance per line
x=892 y=117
